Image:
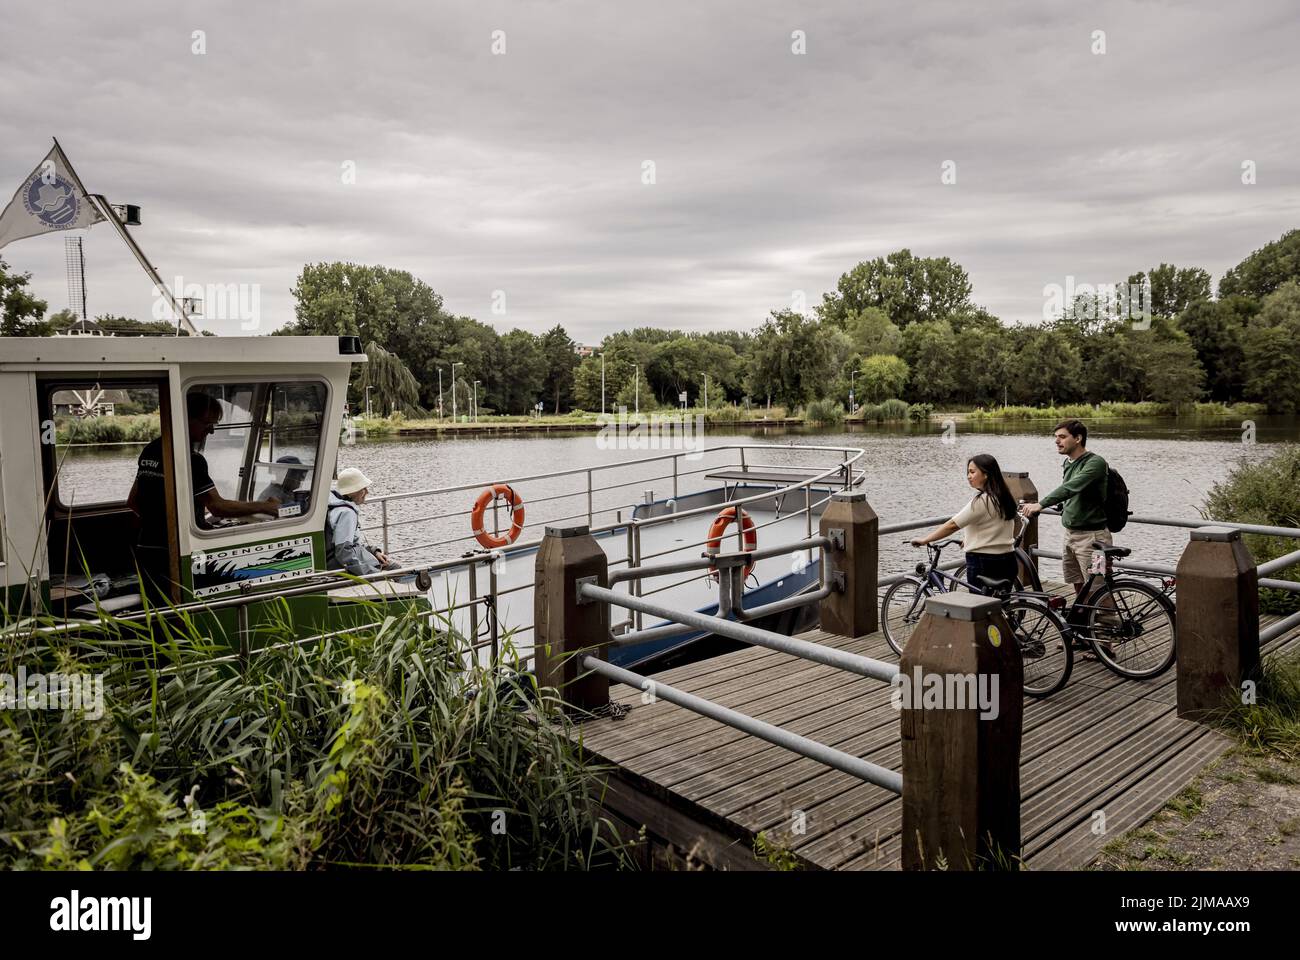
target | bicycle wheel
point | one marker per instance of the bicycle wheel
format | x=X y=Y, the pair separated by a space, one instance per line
x=901 y=610
x=1044 y=648
x=1131 y=627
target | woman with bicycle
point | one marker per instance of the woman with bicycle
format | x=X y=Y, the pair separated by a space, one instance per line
x=988 y=536
x=987 y=523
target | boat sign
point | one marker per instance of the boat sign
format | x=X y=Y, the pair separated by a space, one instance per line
x=221 y=571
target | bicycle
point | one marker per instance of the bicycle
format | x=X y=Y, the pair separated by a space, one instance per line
x=1137 y=642
x=1128 y=623
x=1041 y=634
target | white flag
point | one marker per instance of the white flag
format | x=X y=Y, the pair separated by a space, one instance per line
x=51 y=199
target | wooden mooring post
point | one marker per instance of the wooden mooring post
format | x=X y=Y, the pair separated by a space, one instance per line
x=960 y=686
x=563 y=628
x=1217 y=632
x=853 y=607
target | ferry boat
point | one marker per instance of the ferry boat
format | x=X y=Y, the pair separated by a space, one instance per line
x=68 y=528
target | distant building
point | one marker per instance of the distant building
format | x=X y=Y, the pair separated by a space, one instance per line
x=87 y=403
x=583 y=351
x=83 y=328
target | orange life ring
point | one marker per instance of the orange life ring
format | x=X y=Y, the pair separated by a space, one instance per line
x=720 y=523
x=491 y=540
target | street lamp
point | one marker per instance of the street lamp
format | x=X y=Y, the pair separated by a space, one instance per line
x=458 y=363
x=440 y=393
x=602 y=383
x=368 y=389
x=476 y=383
x=853 y=377
x=637 y=389
x=706 y=393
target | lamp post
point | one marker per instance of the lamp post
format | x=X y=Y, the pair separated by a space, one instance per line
x=368 y=389
x=706 y=393
x=440 y=393
x=602 y=383
x=476 y=383
x=637 y=389
x=853 y=378
x=459 y=363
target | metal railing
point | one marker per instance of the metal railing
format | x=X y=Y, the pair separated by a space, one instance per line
x=590 y=592
x=593 y=484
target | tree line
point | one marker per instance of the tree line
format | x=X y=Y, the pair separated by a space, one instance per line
x=897 y=326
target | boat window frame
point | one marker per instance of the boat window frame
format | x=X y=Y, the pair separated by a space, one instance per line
x=262 y=379
x=47 y=387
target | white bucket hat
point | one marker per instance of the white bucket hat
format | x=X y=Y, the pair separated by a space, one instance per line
x=350 y=481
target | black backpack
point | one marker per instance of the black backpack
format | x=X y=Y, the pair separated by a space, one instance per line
x=1117 y=510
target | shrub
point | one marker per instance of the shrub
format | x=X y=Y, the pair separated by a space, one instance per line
x=1266 y=493
x=824 y=411
x=871 y=412
x=894 y=409
x=138 y=428
x=920 y=412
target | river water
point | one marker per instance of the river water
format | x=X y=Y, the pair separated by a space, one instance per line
x=910 y=473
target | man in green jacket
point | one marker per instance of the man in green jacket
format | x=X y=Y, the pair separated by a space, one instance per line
x=1084 y=494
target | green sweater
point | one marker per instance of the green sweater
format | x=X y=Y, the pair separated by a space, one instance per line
x=1083 y=492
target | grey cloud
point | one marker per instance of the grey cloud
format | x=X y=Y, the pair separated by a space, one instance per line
x=775 y=172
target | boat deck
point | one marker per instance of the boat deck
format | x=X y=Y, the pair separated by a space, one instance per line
x=1102 y=744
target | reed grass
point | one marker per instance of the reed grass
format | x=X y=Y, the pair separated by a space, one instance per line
x=384 y=747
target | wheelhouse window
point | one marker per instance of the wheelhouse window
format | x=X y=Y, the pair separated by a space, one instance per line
x=263 y=447
x=98 y=430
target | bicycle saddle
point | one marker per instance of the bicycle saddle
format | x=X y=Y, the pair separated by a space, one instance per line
x=1111 y=551
x=994 y=585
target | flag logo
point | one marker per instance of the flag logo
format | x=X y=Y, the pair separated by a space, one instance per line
x=55 y=204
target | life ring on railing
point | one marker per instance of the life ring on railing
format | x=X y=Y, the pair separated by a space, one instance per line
x=516 y=503
x=720 y=523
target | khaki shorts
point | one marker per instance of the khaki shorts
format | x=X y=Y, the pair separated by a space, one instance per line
x=1077 y=553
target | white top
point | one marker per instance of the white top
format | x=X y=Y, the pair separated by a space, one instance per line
x=983 y=529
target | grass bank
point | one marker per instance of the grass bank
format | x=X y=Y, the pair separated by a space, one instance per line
x=1110 y=411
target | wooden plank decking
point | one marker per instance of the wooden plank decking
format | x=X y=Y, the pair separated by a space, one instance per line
x=1102 y=743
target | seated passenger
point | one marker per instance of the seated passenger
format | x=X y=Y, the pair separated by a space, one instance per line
x=285 y=488
x=148 y=497
x=345 y=544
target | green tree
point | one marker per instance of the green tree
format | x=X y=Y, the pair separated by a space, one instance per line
x=1216 y=329
x=558 y=352
x=523 y=371
x=1048 y=367
x=394 y=388
x=790 y=360
x=381 y=305
x=909 y=289
x=1265 y=270
x=931 y=351
x=1172 y=289
x=871 y=332
x=881 y=377
x=1171 y=372
x=1271 y=359
x=22 y=313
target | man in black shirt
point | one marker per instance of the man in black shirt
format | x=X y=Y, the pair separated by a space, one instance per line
x=148 y=498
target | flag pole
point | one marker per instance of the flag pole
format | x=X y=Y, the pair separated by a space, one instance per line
x=106 y=209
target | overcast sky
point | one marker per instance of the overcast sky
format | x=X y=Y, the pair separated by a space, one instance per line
x=774 y=171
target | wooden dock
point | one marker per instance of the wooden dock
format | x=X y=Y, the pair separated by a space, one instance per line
x=1102 y=745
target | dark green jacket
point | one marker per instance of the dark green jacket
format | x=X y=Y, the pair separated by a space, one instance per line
x=1083 y=493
